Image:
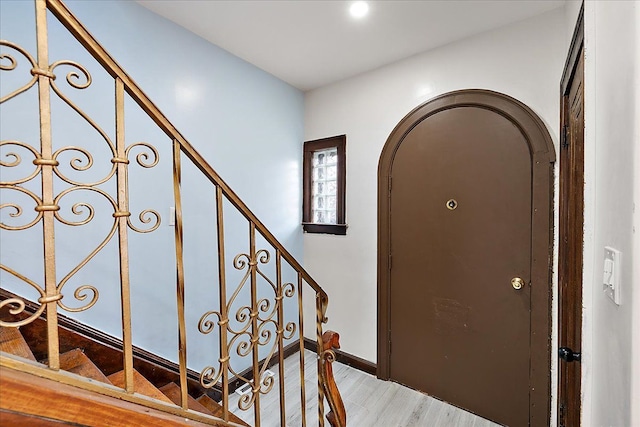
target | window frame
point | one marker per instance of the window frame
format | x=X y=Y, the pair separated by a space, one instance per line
x=340 y=143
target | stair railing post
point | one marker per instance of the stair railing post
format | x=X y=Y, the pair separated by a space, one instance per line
x=280 y=334
x=48 y=206
x=320 y=319
x=121 y=216
x=337 y=415
x=182 y=328
x=224 y=309
x=255 y=332
x=303 y=389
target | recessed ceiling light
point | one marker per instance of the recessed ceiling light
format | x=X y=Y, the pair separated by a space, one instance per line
x=359 y=9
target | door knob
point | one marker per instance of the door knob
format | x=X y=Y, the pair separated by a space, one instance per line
x=517 y=283
x=568 y=355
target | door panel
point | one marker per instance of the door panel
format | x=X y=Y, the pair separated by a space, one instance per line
x=459 y=330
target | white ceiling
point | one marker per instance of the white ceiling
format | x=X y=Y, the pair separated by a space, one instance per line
x=310 y=43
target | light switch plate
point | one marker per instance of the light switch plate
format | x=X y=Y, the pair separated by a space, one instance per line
x=611 y=274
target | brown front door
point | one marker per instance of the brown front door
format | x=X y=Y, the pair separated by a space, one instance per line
x=460 y=230
x=571 y=232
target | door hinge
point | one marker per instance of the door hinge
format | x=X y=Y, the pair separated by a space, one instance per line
x=565 y=136
x=389 y=183
x=390 y=347
x=390 y=261
x=561 y=416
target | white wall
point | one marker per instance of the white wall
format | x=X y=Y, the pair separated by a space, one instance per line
x=571 y=12
x=635 y=351
x=523 y=60
x=611 y=139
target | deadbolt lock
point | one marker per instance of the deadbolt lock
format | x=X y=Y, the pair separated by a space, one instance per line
x=517 y=283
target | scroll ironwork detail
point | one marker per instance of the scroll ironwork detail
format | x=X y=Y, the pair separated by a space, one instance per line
x=78 y=78
x=13 y=64
x=243 y=340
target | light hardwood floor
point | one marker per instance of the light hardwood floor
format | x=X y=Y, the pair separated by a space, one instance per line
x=369 y=401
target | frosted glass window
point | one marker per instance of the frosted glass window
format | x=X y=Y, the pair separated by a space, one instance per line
x=325 y=179
x=324 y=175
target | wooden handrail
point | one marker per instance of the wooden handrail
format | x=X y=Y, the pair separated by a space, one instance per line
x=32 y=400
x=337 y=417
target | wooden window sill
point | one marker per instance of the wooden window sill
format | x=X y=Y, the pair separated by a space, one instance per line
x=337 y=229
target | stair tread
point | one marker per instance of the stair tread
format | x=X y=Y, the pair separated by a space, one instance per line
x=214 y=407
x=77 y=362
x=217 y=410
x=172 y=391
x=140 y=384
x=12 y=341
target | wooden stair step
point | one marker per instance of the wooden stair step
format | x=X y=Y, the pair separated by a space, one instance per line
x=27 y=399
x=77 y=362
x=140 y=385
x=216 y=409
x=172 y=391
x=203 y=404
x=12 y=341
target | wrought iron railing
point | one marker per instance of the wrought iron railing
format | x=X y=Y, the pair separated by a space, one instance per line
x=259 y=323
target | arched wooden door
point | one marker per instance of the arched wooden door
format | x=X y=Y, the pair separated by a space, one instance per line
x=464 y=256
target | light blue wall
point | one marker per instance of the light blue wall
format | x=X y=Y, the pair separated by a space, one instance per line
x=245 y=122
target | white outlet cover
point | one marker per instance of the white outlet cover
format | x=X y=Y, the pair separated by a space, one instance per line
x=246 y=388
x=611 y=282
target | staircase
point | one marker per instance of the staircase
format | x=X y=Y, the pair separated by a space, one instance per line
x=76 y=362
x=92 y=360
x=56 y=369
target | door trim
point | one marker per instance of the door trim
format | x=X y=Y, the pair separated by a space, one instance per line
x=577 y=42
x=571 y=237
x=542 y=153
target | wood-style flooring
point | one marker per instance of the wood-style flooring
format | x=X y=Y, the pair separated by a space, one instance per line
x=369 y=401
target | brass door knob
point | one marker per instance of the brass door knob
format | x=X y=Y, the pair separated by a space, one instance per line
x=517 y=283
